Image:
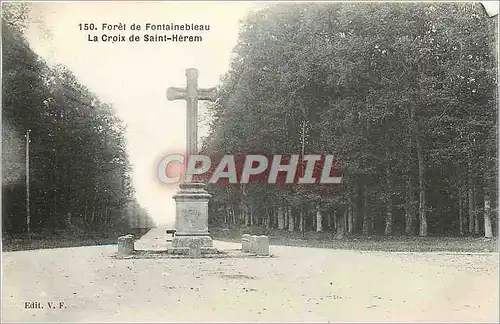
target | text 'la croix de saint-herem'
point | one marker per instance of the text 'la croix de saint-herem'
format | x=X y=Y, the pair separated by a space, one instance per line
x=171 y=30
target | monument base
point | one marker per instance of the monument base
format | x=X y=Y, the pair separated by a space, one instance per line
x=192 y=245
x=190 y=241
x=193 y=252
x=191 y=236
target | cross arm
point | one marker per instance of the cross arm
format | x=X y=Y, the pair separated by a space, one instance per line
x=174 y=93
x=207 y=94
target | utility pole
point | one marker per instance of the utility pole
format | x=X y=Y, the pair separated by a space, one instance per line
x=303 y=140
x=303 y=172
x=28 y=218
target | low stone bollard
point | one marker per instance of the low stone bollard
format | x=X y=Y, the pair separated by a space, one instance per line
x=126 y=245
x=245 y=242
x=253 y=242
x=261 y=246
x=257 y=244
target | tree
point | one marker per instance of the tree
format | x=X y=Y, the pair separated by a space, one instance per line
x=402 y=94
x=79 y=168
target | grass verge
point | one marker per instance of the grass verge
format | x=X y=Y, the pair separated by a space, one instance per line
x=363 y=243
x=22 y=242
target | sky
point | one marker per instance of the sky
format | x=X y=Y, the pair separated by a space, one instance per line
x=134 y=76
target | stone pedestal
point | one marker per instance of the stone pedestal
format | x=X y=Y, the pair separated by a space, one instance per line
x=245 y=242
x=191 y=218
x=253 y=243
x=126 y=245
x=258 y=245
x=261 y=245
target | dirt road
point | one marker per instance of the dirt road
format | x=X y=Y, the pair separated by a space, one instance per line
x=298 y=285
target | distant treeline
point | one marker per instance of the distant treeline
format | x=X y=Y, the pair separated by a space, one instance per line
x=79 y=173
x=403 y=94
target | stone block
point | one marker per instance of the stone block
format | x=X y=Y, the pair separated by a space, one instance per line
x=253 y=242
x=245 y=242
x=261 y=245
x=191 y=211
x=126 y=245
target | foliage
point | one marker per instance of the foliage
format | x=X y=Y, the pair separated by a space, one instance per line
x=79 y=168
x=402 y=94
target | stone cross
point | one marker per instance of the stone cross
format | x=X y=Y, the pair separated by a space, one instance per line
x=191 y=200
x=191 y=94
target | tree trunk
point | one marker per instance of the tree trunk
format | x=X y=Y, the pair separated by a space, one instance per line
x=488 y=230
x=476 y=216
x=470 y=195
x=335 y=221
x=281 y=219
x=410 y=207
x=350 y=219
x=366 y=219
x=471 y=206
x=372 y=223
x=354 y=218
x=388 y=215
x=319 y=220
x=344 y=220
x=84 y=214
x=244 y=214
x=269 y=217
x=388 y=218
x=410 y=195
x=358 y=224
x=231 y=214
x=341 y=224
x=421 y=183
x=301 y=221
x=291 y=220
x=93 y=217
x=285 y=218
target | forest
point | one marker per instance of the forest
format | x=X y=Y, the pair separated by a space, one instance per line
x=79 y=171
x=404 y=95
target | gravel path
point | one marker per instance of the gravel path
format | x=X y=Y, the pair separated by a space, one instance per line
x=298 y=285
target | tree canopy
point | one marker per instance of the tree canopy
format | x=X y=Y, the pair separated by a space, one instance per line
x=404 y=95
x=79 y=174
